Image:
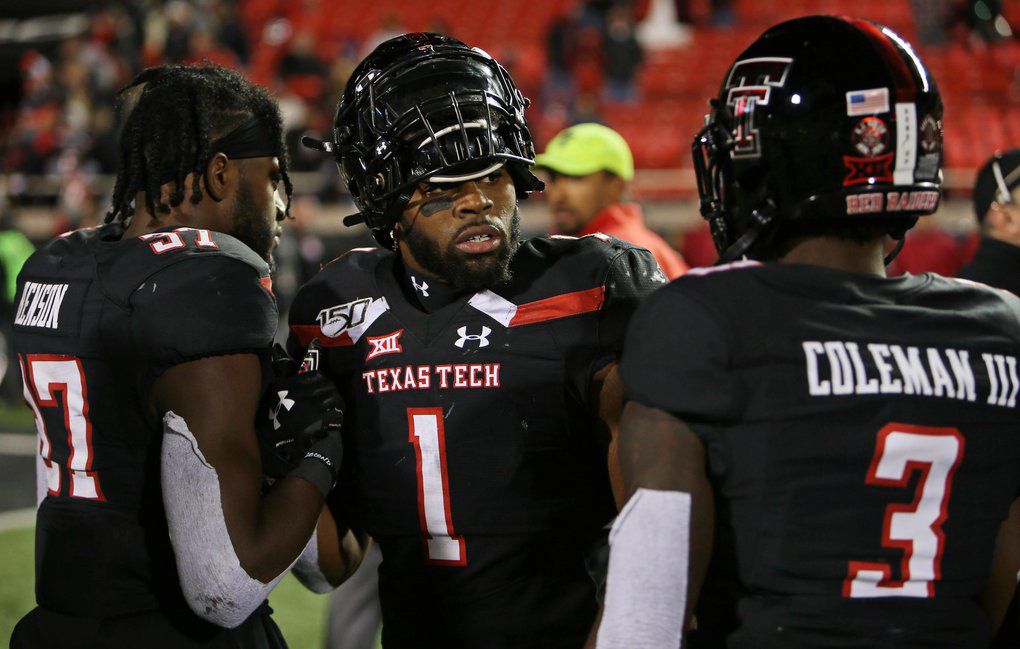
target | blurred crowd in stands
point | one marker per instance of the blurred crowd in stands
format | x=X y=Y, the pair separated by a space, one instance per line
x=585 y=65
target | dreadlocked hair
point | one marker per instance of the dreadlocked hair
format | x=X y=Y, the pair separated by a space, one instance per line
x=174 y=114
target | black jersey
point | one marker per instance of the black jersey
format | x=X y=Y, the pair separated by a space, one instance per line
x=98 y=319
x=862 y=440
x=471 y=453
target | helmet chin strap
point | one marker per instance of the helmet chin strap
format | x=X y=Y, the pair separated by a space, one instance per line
x=761 y=220
x=900 y=240
x=900 y=235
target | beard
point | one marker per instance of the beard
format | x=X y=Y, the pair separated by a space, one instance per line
x=473 y=273
x=250 y=230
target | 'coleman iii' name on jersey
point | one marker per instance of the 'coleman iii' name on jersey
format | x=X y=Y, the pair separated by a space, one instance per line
x=836 y=368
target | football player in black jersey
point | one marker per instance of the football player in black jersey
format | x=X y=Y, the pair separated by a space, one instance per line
x=815 y=454
x=474 y=364
x=142 y=344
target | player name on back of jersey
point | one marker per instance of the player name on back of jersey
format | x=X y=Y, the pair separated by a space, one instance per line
x=839 y=368
x=40 y=305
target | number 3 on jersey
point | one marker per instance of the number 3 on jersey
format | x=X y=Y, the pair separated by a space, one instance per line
x=442 y=546
x=916 y=528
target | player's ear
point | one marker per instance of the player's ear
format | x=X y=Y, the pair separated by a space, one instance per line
x=219 y=175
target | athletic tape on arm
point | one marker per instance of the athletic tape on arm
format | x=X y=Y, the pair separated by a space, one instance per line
x=216 y=586
x=307 y=570
x=646 y=590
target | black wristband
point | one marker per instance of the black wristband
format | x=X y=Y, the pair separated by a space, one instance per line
x=321 y=464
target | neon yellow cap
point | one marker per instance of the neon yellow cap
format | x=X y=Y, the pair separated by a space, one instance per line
x=583 y=149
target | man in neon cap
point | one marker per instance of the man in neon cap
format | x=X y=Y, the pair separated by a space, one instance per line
x=589 y=166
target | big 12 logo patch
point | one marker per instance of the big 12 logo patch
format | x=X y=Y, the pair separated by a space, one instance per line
x=748 y=86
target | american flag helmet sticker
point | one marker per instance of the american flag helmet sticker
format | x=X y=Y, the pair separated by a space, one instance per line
x=867 y=102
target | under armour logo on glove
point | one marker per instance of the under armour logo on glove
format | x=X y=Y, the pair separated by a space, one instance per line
x=482 y=339
x=304 y=408
x=423 y=287
x=284 y=402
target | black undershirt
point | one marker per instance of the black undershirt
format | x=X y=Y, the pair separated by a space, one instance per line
x=425 y=291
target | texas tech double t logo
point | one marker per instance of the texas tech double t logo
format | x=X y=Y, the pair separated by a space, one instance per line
x=749 y=85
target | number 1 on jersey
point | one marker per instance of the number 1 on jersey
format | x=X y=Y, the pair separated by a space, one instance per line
x=442 y=546
x=915 y=527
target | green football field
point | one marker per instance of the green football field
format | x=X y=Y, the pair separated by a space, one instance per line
x=300 y=613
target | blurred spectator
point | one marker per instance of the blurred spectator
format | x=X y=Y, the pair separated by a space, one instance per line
x=179 y=21
x=931 y=16
x=231 y=31
x=204 y=48
x=301 y=70
x=15 y=248
x=559 y=90
x=623 y=54
x=391 y=27
x=664 y=23
x=997 y=207
x=997 y=263
x=589 y=167
x=35 y=134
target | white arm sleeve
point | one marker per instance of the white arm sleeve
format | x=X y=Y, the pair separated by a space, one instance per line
x=646 y=589
x=216 y=586
x=40 y=479
x=307 y=570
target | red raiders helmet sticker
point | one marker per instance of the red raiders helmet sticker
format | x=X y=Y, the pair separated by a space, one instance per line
x=749 y=85
x=870 y=137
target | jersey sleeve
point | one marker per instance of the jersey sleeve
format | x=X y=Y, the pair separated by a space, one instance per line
x=310 y=299
x=200 y=307
x=676 y=358
x=633 y=275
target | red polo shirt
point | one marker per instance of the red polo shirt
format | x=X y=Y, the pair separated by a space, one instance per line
x=624 y=221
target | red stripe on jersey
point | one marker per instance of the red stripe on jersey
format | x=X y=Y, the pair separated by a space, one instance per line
x=267 y=283
x=305 y=334
x=560 y=306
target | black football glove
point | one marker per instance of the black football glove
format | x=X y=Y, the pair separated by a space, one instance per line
x=301 y=411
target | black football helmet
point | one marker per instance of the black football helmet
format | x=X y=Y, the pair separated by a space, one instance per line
x=822 y=117
x=424 y=106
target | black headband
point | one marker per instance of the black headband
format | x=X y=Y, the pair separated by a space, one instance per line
x=252 y=139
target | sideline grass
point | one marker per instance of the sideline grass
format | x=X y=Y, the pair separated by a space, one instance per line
x=301 y=614
x=17 y=578
x=16 y=418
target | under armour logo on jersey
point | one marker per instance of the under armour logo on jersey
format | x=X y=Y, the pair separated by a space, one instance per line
x=274 y=414
x=482 y=339
x=423 y=288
